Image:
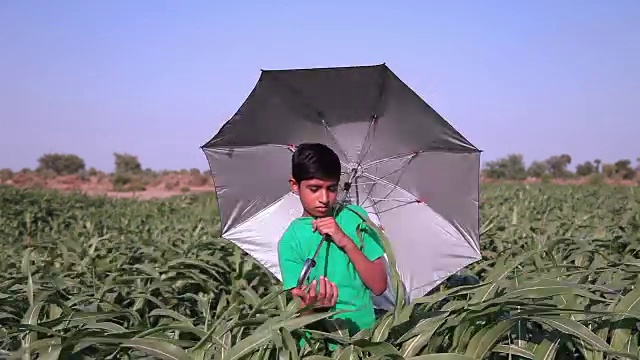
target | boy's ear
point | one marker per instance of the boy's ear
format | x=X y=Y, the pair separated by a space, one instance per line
x=294 y=186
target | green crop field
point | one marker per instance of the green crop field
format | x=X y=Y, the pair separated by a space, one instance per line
x=96 y=278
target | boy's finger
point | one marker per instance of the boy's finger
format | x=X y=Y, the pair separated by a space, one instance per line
x=323 y=289
x=312 y=290
x=300 y=293
x=325 y=221
x=328 y=292
x=334 y=290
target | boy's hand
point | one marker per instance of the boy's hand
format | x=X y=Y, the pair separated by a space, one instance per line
x=329 y=226
x=326 y=297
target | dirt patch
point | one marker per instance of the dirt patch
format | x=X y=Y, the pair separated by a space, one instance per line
x=144 y=186
x=168 y=184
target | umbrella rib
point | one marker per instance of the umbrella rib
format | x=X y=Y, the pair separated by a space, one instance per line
x=372 y=124
x=379 y=212
x=335 y=139
x=415 y=153
x=394 y=157
x=393 y=186
x=374 y=116
x=378 y=180
x=392 y=199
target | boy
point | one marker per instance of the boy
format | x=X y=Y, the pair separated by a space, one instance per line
x=346 y=271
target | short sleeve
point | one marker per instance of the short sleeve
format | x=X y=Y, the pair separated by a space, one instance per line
x=291 y=263
x=372 y=246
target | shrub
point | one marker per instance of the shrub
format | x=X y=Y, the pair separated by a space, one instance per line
x=596 y=179
x=6 y=175
x=61 y=164
x=128 y=182
x=126 y=163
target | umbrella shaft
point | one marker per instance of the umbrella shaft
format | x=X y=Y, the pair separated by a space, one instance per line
x=325 y=237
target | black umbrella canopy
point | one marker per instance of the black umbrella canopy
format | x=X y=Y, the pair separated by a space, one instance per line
x=343 y=107
x=406 y=163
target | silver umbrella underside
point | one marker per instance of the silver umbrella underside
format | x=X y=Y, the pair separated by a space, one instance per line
x=416 y=176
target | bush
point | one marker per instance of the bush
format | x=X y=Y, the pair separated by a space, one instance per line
x=126 y=163
x=128 y=182
x=537 y=169
x=61 y=164
x=510 y=168
x=6 y=175
x=546 y=178
x=596 y=179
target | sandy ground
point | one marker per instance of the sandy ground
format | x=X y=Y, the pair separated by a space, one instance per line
x=174 y=184
x=154 y=188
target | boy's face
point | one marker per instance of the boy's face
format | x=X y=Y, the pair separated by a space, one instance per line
x=317 y=196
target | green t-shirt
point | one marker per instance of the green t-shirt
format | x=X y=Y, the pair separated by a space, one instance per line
x=299 y=242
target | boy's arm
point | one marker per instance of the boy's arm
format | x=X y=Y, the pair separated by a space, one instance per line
x=372 y=272
x=368 y=263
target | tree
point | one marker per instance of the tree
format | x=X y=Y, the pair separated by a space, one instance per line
x=510 y=168
x=537 y=169
x=597 y=162
x=61 y=164
x=608 y=170
x=623 y=169
x=585 y=169
x=557 y=166
x=127 y=164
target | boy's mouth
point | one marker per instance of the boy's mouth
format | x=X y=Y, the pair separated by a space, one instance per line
x=322 y=209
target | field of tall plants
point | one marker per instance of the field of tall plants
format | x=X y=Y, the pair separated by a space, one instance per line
x=97 y=278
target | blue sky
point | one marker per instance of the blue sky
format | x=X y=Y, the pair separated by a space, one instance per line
x=158 y=78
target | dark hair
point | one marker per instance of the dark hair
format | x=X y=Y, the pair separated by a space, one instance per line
x=315 y=161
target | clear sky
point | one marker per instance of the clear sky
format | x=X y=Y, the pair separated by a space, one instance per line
x=158 y=78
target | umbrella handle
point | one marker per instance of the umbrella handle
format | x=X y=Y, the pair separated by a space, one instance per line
x=310 y=263
x=306 y=270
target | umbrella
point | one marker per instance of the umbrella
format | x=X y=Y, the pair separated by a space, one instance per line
x=414 y=173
